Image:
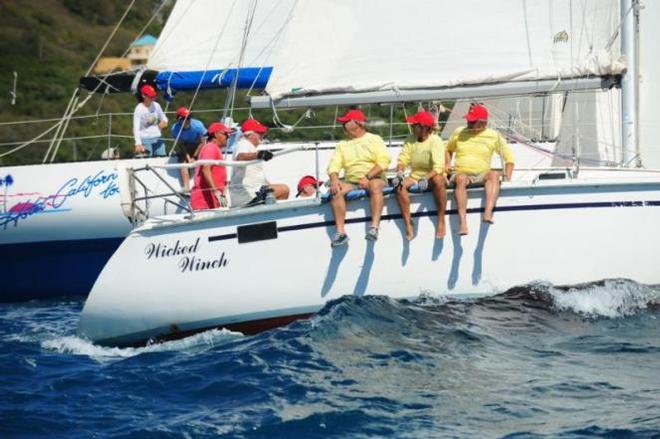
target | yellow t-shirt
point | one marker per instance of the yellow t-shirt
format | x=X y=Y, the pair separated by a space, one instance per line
x=357 y=156
x=473 y=152
x=423 y=157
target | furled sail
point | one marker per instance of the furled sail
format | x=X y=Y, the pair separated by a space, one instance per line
x=356 y=46
x=205 y=43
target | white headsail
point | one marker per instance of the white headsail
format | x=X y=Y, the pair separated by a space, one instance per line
x=348 y=46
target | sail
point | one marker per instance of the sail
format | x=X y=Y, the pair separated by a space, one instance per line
x=366 y=45
x=204 y=43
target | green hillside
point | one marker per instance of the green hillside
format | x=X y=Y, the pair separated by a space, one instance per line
x=51 y=43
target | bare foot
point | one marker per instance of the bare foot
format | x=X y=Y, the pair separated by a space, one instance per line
x=410 y=231
x=440 y=230
x=488 y=219
x=463 y=230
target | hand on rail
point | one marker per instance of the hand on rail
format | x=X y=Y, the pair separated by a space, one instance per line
x=423 y=184
x=397 y=180
x=264 y=155
x=139 y=149
x=335 y=187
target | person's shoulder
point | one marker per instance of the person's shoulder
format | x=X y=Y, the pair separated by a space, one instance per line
x=374 y=137
x=197 y=123
x=139 y=107
x=436 y=139
x=458 y=131
x=244 y=145
x=209 y=150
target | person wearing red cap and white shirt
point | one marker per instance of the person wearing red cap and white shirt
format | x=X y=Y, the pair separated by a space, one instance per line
x=148 y=120
x=364 y=158
x=211 y=180
x=472 y=148
x=246 y=182
x=307 y=186
x=189 y=135
x=424 y=153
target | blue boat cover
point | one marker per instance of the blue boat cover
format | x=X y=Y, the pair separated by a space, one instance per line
x=248 y=77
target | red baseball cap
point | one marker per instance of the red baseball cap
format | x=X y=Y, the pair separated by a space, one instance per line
x=476 y=112
x=424 y=118
x=217 y=126
x=307 y=180
x=253 y=125
x=357 y=115
x=148 y=91
x=182 y=113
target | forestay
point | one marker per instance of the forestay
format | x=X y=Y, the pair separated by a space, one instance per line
x=203 y=41
x=355 y=46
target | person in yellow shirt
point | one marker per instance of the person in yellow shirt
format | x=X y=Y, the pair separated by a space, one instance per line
x=364 y=159
x=424 y=153
x=472 y=148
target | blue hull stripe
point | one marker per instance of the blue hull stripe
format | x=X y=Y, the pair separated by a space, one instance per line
x=51 y=269
x=594 y=205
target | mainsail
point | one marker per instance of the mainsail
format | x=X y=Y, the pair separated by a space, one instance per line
x=357 y=46
x=207 y=43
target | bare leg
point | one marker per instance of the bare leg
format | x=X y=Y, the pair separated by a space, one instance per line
x=281 y=191
x=440 y=195
x=338 y=205
x=376 y=200
x=460 y=192
x=492 y=185
x=403 y=198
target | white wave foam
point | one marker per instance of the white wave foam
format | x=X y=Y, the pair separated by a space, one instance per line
x=612 y=299
x=79 y=346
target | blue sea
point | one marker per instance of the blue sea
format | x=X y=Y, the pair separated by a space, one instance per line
x=535 y=361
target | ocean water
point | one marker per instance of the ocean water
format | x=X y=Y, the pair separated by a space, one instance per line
x=535 y=361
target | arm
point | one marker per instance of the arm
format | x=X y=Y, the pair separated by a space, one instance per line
x=336 y=164
x=208 y=177
x=507 y=155
x=438 y=158
x=404 y=157
x=162 y=119
x=139 y=148
x=246 y=156
x=508 y=171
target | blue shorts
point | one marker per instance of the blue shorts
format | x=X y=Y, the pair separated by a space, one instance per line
x=155 y=147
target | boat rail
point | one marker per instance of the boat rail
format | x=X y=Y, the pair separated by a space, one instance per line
x=136 y=193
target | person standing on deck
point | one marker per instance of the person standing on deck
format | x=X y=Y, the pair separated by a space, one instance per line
x=148 y=120
x=247 y=181
x=364 y=158
x=473 y=147
x=211 y=180
x=424 y=153
x=189 y=134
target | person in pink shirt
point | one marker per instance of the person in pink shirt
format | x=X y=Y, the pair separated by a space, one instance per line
x=210 y=180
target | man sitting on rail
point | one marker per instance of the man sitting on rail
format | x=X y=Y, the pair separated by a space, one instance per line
x=473 y=147
x=364 y=159
x=246 y=182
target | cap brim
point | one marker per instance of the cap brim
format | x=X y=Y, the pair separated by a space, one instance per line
x=343 y=119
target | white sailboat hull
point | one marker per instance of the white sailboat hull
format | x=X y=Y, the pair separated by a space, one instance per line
x=175 y=276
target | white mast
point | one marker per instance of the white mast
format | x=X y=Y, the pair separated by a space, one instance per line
x=630 y=82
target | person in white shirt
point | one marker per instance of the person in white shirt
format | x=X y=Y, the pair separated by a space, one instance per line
x=148 y=120
x=246 y=182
